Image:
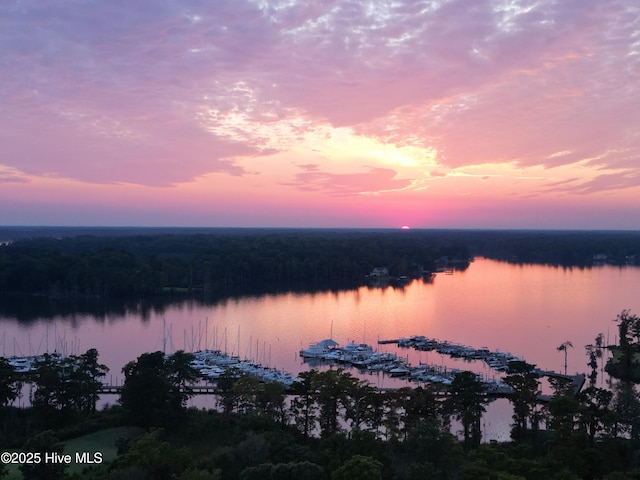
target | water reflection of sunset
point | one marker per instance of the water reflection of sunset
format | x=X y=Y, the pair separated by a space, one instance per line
x=526 y=310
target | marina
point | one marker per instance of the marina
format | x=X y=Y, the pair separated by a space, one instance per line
x=212 y=365
x=497 y=360
x=31 y=363
x=283 y=325
x=365 y=359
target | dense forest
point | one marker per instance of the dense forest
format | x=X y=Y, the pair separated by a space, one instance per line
x=141 y=263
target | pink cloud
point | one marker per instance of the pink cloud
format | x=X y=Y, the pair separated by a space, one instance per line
x=338 y=61
x=312 y=179
x=160 y=94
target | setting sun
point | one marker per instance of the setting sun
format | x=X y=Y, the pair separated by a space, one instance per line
x=261 y=125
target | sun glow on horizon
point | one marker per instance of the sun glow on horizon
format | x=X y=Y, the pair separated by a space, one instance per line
x=266 y=125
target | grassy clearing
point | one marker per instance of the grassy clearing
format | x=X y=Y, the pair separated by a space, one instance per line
x=102 y=441
x=13 y=473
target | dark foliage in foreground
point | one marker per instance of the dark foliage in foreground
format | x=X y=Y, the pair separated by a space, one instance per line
x=334 y=426
x=215 y=445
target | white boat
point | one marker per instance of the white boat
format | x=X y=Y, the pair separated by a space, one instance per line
x=399 y=371
x=319 y=349
x=352 y=347
x=335 y=356
x=212 y=373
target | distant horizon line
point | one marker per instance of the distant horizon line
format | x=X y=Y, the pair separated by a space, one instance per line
x=401 y=228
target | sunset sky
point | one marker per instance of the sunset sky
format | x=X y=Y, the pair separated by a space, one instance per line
x=320 y=113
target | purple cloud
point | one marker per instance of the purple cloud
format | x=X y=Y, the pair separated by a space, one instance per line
x=147 y=92
x=12 y=179
x=602 y=183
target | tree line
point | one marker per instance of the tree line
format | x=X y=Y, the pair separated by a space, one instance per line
x=219 y=264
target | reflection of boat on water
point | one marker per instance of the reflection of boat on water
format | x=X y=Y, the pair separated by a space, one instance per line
x=320 y=349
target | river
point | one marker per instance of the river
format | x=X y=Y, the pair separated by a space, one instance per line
x=528 y=310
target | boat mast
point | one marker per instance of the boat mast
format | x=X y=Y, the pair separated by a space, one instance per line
x=206 y=333
x=164 y=336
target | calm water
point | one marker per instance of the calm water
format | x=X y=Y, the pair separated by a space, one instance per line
x=527 y=310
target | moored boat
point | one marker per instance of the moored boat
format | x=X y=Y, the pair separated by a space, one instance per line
x=319 y=349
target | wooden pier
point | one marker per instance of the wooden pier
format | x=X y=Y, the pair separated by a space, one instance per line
x=195 y=389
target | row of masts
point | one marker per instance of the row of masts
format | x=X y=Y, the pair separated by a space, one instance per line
x=60 y=345
x=202 y=340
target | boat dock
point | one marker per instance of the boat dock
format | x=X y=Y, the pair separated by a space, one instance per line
x=212 y=364
x=367 y=360
x=497 y=360
x=212 y=389
x=209 y=389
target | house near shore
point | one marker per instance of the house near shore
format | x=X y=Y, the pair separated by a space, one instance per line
x=379 y=272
